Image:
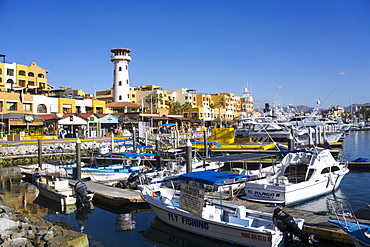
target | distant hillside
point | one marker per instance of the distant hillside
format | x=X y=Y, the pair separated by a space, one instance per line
x=348 y=108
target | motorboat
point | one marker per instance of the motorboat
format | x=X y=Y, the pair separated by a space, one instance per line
x=190 y=209
x=348 y=220
x=59 y=190
x=304 y=174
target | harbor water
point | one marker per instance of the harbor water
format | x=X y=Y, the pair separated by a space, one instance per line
x=136 y=225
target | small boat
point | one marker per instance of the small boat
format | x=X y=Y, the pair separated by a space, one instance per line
x=192 y=211
x=347 y=219
x=361 y=160
x=303 y=175
x=59 y=190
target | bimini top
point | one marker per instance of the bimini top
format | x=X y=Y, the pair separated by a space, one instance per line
x=209 y=177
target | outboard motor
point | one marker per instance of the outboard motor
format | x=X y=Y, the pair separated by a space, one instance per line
x=81 y=193
x=285 y=223
x=135 y=179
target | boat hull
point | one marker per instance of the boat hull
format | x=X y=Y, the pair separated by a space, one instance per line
x=290 y=194
x=54 y=196
x=212 y=225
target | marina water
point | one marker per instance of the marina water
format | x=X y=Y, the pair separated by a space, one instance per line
x=135 y=225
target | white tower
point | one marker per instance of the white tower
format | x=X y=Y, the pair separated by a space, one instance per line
x=121 y=83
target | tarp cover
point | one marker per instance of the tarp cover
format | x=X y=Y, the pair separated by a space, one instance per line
x=209 y=177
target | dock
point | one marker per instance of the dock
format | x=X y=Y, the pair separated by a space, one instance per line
x=110 y=195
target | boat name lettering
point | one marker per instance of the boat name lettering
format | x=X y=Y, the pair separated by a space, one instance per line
x=173 y=217
x=262 y=194
x=190 y=190
x=255 y=236
x=188 y=221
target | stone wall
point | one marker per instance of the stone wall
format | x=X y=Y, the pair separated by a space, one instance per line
x=19 y=230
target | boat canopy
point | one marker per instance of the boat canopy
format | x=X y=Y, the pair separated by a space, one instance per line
x=209 y=177
x=239 y=157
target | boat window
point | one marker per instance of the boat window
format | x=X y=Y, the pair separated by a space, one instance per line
x=335 y=168
x=325 y=170
x=310 y=172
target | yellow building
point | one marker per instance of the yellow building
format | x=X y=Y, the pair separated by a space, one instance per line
x=30 y=78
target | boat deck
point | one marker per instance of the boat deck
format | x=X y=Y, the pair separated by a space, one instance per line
x=315 y=223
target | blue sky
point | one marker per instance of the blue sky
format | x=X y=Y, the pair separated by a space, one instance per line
x=290 y=52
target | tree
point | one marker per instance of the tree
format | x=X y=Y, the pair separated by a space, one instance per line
x=153 y=99
x=187 y=106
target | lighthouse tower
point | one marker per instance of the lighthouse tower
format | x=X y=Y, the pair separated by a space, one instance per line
x=121 y=83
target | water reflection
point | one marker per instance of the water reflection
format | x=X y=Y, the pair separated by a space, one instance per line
x=160 y=232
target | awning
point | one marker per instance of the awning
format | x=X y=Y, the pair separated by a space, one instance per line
x=169 y=124
x=209 y=177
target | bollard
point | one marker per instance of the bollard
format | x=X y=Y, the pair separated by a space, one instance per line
x=188 y=157
x=78 y=159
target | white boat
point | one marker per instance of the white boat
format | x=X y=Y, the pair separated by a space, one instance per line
x=59 y=190
x=55 y=190
x=348 y=220
x=303 y=175
x=191 y=211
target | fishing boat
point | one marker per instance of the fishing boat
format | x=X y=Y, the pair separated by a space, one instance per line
x=192 y=211
x=115 y=171
x=304 y=174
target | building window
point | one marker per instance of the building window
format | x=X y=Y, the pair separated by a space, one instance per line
x=10 y=72
x=89 y=109
x=1 y=71
x=99 y=110
x=78 y=109
x=186 y=114
x=194 y=115
x=120 y=97
x=31 y=74
x=120 y=68
x=22 y=83
x=126 y=67
x=128 y=96
x=119 y=83
x=40 y=75
x=1 y=106
x=31 y=83
x=133 y=96
x=27 y=107
x=127 y=81
x=22 y=73
x=11 y=106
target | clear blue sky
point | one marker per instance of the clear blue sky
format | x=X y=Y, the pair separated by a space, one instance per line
x=292 y=52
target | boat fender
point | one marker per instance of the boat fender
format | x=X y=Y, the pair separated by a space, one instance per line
x=331 y=180
x=285 y=223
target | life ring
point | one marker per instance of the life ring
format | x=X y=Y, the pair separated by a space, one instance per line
x=145 y=168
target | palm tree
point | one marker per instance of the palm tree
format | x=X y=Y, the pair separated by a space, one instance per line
x=187 y=106
x=153 y=99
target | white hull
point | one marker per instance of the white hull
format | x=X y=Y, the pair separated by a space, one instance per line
x=215 y=228
x=303 y=175
x=290 y=193
x=62 y=196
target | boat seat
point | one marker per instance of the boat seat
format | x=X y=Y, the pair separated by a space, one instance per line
x=211 y=213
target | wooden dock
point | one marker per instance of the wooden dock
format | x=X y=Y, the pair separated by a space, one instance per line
x=111 y=195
